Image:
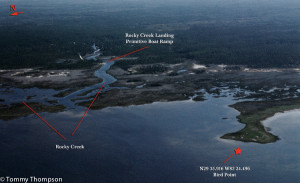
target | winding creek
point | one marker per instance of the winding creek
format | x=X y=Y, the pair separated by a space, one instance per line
x=100 y=73
x=17 y=95
x=158 y=142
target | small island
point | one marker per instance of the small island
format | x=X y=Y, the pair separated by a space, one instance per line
x=16 y=110
x=252 y=113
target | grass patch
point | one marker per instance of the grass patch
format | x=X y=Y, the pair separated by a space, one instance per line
x=17 y=110
x=253 y=113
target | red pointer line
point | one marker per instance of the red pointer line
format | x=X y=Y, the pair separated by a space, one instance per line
x=228 y=158
x=127 y=54
x=15 y=13
x=88 y=109
x=44 y=121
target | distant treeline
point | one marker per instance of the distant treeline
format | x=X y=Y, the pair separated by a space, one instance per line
x=256 y=37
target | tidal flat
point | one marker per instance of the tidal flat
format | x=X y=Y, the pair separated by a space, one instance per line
x=259 y=93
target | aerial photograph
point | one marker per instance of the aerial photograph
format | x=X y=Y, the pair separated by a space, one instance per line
x=140 y=91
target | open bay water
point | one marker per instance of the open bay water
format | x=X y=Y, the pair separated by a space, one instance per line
x=158 y=142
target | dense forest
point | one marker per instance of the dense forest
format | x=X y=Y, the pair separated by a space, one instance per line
x=259 y=34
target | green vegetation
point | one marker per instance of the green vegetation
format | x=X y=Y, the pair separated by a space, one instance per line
x=262 y=34
x=133 y=97
x=148 y=59
x=17 y=110
x=253 y=113
x=64 y=93
x=152 y=69
x=86 y=92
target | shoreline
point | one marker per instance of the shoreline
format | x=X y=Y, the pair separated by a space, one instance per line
x=148 y=83
x=253 y=114
x=270 y=120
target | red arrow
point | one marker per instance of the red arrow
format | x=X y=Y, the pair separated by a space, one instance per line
x=44 y=120
x=15 y=13
x=88 y=108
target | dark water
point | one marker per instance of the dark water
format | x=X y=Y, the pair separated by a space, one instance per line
x=100 y=73
x=16 y=95
x=159 y=142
